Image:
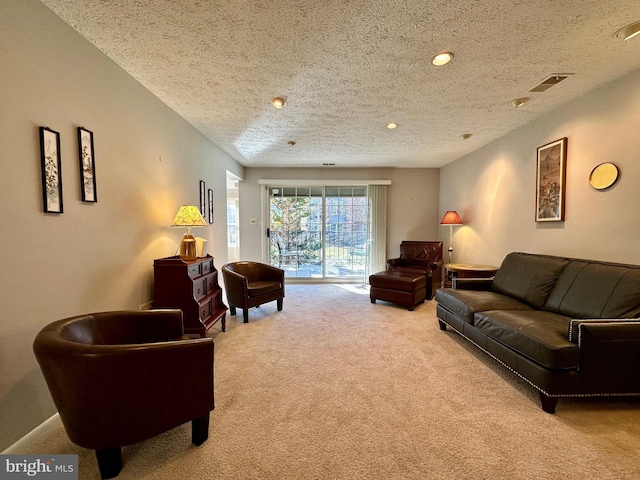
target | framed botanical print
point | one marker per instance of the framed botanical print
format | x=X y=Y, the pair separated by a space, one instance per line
x=51 y=170
x=203 y=203
x=87 y=165
x=210 y=193
x=550 y=181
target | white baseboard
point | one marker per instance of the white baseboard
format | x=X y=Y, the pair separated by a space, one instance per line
x=38 y=432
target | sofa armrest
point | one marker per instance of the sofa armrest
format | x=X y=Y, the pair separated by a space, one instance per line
x=434 y=267
x=576 y=325
x=472 y=283
x=393 y=263
x=610 y=355
x=235 y=286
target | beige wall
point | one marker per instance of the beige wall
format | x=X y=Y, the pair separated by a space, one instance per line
x=148 y=162
x=494 y=188
x=94 y=256
x=412 y=204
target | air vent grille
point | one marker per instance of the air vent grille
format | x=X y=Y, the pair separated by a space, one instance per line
x=546 y=84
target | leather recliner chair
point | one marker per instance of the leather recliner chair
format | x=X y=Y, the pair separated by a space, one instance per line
x=250 y=284
x=423 y=257
x=118 y=378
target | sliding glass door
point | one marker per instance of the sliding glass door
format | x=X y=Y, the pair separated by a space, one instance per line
x=319 y=232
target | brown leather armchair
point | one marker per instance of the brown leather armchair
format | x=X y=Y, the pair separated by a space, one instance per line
x=420 y=256
x=250 y=284
x=118 y=378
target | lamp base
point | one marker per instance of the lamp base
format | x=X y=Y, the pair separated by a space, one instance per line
x=188 y=247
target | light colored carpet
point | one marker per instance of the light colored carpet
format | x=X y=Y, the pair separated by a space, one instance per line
x=334 y=387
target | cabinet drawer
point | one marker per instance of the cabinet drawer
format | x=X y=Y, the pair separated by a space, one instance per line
x=211 y=283
x=216 y=301
x=194 y=270
x=199 y=288
x=205 y=310
x=207 y=266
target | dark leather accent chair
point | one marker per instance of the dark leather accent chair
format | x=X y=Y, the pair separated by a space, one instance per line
x=118 y=378
x=250 y=284
x=422 y=257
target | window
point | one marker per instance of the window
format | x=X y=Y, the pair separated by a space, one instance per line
x=319 y=232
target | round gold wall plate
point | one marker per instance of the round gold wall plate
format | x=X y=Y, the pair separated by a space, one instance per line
x=603 y=176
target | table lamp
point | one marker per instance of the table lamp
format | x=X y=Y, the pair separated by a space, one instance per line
x=188 y=216
x=451 y=218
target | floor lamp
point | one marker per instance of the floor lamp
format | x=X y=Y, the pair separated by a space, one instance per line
x=451 y=218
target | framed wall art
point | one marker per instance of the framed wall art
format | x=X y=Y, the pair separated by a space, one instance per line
x=202 y=199
x=550 y=181
x=51 y=170
x=87 y=165
x=210 y=193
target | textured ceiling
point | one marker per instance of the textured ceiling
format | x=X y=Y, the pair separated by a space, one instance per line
x=347 y=68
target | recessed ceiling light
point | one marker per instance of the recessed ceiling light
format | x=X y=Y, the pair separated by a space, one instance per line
x=278 y=102
x=291 y=143
x=628 y=32
x=392 y=125
x=442 y=58
x=518 y=102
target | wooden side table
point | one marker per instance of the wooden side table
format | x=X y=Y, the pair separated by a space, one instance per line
x=466 y=270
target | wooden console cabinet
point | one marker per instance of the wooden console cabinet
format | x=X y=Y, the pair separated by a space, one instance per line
x=192 y=286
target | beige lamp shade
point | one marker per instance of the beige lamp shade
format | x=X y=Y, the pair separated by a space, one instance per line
x=188 y=216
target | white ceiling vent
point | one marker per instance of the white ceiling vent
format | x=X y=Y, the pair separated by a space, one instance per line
x=546 y=84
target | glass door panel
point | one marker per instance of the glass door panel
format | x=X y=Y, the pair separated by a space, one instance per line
x=319 y=232
x=295 y=233
x=346 y=237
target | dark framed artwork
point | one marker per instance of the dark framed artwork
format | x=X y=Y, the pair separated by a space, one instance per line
x=202 y=199
x=51 y=170
x=87 y=165
x=550 y=181
x=210 y=193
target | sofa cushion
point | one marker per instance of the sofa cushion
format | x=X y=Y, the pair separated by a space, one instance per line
x=541 y=336
x=588 y=289
x=413 y=269
x=528 y=278
x=465 y=303
x=405 y=281
x=255 y=289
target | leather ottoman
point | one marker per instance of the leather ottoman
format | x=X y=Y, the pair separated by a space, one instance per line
x=404 y=288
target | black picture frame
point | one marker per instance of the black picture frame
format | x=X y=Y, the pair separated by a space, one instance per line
x=550 y=181
x=86 y=156
x=210 y=193
x=203 y=204
x=51 y=171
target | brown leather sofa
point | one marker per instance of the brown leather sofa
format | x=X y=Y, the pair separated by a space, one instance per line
x=250 y=284
x=568 y=326
x=118 y=378
x=420 y=257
